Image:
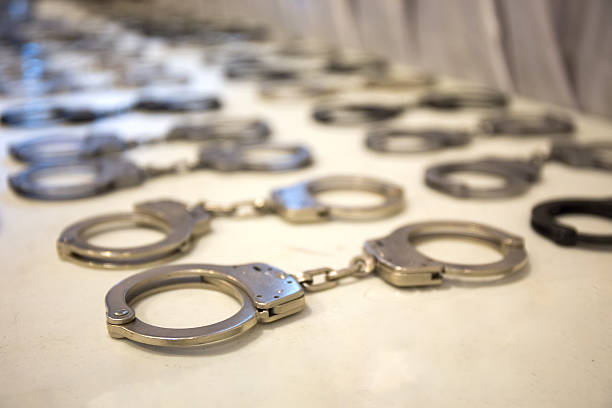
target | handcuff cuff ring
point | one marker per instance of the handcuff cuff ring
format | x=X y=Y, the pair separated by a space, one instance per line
x=355 y=113
x=58 y=147
x=267 y=293
x=107 y=174
x=111 y=172
x=544 y=220
x=517 y=175
x=296 y=203
x=432 y=139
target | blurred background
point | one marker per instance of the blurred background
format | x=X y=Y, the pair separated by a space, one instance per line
x=551 y=50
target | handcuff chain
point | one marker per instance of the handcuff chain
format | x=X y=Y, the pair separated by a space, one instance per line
x=239 y=209
x=359 y=266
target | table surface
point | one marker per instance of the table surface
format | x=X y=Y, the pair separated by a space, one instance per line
x=540 y=338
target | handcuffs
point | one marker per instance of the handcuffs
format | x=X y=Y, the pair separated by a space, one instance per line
x=351 y=113
x=253 y=66
x=186 y=101
x=381 y=139
x=111 y=173
x=518 y=174
x=593 y=154
x=355 y=62
x=543 y=220
x=277 y=82
x=267 y=293
x=182 y=225
x=303 y=87
x=392 y=81
x=45 y=114
x=60 y=147
x=304 y=48
x=527 y=124
x=327 y=85
x=243 y=66
x=523 y=125
x=311 y=84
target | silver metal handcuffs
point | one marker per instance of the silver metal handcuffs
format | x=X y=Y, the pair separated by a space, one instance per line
x=593 y=154
x=352 y=113
x=518 y=174
x=111 y=173
x=527 y=124
x=381 y=139
x=516 y=124
x=182 y=225
x=298 y=88
x=321 y=85
x=399 y=81
x=48 y=113
x=62 y=147
x=267 y=293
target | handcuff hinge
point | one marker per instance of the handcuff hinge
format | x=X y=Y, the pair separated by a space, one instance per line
x=283 y=310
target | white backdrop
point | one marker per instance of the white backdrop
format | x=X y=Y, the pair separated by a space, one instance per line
x=553 y=50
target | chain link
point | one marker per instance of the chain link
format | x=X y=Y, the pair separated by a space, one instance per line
x=240 y=209
x=360 y=266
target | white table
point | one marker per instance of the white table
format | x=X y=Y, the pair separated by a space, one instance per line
x=541 y=338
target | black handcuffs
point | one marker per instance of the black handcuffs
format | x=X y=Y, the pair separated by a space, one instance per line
x=543 y=220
